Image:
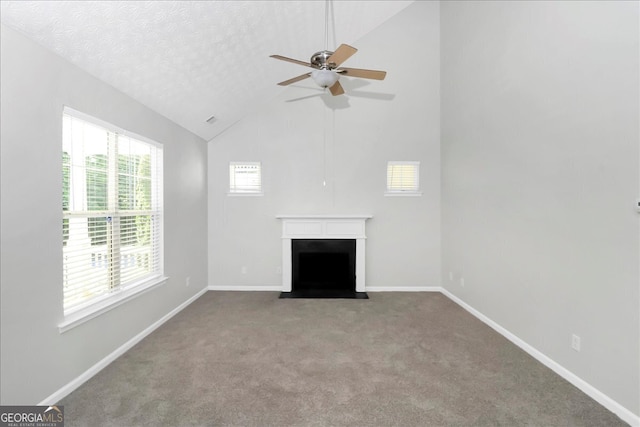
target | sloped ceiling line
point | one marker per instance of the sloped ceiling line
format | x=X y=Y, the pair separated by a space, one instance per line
x=190 y=60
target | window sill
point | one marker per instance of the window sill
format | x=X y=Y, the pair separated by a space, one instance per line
x=246 y=194
x=403 y=193
x=107 y=303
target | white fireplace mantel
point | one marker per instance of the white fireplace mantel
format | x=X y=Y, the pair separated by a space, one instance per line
x=323 y=227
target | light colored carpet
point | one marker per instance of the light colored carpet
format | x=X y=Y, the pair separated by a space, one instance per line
x=397 y=359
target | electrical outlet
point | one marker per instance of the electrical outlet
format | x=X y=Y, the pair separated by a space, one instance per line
x=451 y=276
x=462 y=282
x=187 y=281
x=575 y=342
x=243 y=270
x=279 y=270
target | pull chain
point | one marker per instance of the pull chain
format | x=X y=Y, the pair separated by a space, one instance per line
x=324 y=147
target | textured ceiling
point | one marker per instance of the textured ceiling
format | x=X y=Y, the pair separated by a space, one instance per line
x=190 y=60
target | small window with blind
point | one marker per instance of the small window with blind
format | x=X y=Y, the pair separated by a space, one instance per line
x=245 y=179
x=112 y=216
x=403 y=179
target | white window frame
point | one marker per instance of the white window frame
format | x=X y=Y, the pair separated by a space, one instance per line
x=93 y=307
x=412 y=191
x=240 y=190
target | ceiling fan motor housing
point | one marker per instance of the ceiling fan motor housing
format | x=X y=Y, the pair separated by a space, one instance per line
x=319 y=59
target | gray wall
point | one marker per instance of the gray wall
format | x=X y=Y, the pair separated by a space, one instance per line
x=540 y=166
x=539 y=159
x=36 y=360
x=304 y=137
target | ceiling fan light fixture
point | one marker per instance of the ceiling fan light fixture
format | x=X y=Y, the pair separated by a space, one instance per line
x=324 y=77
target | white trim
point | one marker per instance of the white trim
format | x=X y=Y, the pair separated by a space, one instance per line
x=403 y=289
x=246 y=193
x=403 y=193
x=107 y=303
x=89 y=373
x=330 y=216
x=244 y=288
x=613 y=406
x=323 y=227
x=80 y=308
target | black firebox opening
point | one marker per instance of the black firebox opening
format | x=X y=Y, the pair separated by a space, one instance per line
x=323 y=268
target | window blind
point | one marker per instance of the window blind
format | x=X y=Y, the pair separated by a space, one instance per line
x=112 y=211
x=403 y=176
x=245 y=177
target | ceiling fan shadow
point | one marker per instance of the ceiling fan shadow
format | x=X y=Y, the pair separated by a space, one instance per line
x=332 y=102
x=373 y=95
x=352 y=86
x=303 y=97
x=335 y=102
x=351 y=90
x=313 y=88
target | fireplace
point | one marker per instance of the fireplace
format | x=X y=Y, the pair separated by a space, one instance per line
x=323 y=256
x=323 y=268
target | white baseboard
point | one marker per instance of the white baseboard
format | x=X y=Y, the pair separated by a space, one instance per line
x=613 y=406
x=89 y=373
x=278 y=288
x=268 y=288
x=403 y=289
x=622 y=412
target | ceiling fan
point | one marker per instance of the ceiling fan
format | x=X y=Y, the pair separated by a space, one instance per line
x=327 y=70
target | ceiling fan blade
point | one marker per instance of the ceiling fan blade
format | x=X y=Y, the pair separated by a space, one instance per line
x=336 y=89
x=295 y=61
x=342 y=53
x=295 y=79
x=365 y=74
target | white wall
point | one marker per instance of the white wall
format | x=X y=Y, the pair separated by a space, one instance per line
x=540 y=136
x=36 y=360
x=377 y=121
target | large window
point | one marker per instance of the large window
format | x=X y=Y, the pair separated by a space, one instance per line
x=112 y=212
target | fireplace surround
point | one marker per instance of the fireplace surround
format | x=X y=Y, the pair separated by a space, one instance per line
x=330 y=233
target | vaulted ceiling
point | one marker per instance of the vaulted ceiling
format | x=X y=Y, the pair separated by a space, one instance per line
x=190 y=60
